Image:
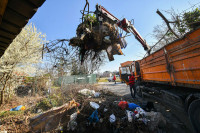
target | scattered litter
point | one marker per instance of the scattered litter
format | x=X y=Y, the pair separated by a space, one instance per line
x=72 y=123
x=20 y=107
x=105 y=109
x=140 y=111
x=39 y=111
x=94 y=117
x=112 y=118
x=87 y=92
x=101 y=120
x=129 y=115
x=96 y=94
x=132 y=106
x=94 y=105
x=107 y=113
x=123 y=105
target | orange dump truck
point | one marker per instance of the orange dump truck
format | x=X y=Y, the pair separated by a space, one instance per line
x=172 y=75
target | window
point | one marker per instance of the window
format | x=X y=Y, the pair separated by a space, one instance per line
x=123 y=70
x=133 y=68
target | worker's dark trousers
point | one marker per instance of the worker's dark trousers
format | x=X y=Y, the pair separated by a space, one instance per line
x=132 y=87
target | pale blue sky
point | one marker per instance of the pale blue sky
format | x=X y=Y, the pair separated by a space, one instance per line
x=59 y=20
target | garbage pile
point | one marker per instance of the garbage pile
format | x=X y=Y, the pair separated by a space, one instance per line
x=95 y=37
x=98 y=111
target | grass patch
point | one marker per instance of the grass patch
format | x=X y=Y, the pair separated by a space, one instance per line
x=106 y=80
x=46 y=104
x=103 y=80
x=11 y=113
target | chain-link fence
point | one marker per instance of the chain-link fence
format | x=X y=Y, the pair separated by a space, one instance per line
x=76 y=79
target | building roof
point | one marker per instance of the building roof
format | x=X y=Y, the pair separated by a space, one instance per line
x=14 y=15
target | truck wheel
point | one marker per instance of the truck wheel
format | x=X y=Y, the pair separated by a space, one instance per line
x=194 y=114
x=138 y=91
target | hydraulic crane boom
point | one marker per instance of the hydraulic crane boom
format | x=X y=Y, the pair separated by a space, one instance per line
x=103 y=15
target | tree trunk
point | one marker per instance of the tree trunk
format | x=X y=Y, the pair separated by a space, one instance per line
x=2 y=97
x=4 y=86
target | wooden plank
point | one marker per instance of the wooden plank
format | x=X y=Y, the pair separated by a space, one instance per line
x=15 y=18
x=10 y=27
x=3 y=4
x=22 y=7
x=37 y=3
x=7 y=35
x=5 y=40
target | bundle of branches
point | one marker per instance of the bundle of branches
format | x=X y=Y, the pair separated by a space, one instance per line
x=63 y=58
x=95 y=37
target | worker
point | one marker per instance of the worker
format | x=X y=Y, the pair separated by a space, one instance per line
x=114 y=78
x=132 y=84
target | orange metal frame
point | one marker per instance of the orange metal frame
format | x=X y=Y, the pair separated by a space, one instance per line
x=177 y=63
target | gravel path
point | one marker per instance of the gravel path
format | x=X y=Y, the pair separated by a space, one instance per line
x=120 y=89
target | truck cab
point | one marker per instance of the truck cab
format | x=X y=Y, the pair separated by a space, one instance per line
x=125 y=71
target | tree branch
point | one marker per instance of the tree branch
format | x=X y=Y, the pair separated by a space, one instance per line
x=167 y=22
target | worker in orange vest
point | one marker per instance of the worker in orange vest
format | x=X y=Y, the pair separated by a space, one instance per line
x=114 y=78
x=132 y=84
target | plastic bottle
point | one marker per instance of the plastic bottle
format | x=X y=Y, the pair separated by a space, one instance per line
x=129 y=114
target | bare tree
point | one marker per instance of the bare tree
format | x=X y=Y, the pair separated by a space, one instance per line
x=66 y=59
x=176 y=27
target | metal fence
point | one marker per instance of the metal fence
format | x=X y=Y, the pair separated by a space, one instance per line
x=76 y=79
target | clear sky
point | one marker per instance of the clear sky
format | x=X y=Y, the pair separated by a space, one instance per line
x=60 y=18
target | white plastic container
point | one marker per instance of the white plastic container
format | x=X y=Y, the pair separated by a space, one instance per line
x=94 y=105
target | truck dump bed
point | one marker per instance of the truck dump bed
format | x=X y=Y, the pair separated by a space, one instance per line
x=177 y=63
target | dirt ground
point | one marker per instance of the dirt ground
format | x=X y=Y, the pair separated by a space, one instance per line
x=120 y=89
x=111 y=95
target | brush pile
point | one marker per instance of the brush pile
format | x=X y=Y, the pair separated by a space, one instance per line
x=89 y=112
x=95 y=37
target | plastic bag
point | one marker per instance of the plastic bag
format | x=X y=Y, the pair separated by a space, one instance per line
x=132 y=106
x=72 y=123
x=112 y=118
x=123 y=105
x=20 y=107
x=87 y=92
x=96 y=94
x=94 y=117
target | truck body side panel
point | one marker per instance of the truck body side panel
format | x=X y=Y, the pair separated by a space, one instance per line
x=177 y=64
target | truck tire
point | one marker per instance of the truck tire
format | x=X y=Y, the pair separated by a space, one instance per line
x=194 y=114
x=138 y=91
